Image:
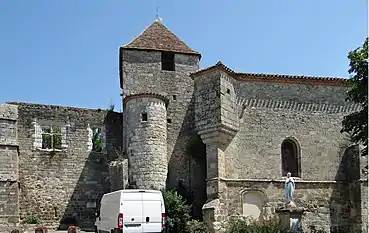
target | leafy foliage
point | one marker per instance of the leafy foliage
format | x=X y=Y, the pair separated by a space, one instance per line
x=195 y=226
x=356 y=123
x=313 y=229
x=241 y=225
x=96 y=140
x=131 y=186
x=32 y=219
x=178 y=212
x=51 y=137
x=237 y=225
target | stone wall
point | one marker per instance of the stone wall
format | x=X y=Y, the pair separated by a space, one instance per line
x=266 y=119
x=326 y=202
x=256 y=149
x=66 y=183
x=364 y=206
x=247 y=151
x=9 y=214
x=118 y=174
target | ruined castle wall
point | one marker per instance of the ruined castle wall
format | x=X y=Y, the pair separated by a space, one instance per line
x=67 y=182
x=118 y=174
x=147 y=141
x=9 y=214
x=141 y=74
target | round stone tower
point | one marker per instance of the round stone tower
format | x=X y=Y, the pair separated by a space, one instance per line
x=146 y=139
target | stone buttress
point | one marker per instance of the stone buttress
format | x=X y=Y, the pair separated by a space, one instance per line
x=217 y=123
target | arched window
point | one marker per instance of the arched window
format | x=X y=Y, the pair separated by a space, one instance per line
x=290 y=152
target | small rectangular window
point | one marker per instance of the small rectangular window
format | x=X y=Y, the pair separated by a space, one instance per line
x=169 y=121
x=174 y=97
x=144 y=117
x=167 y=61
x=228 y=91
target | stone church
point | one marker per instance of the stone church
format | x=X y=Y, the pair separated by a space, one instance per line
x=222 y=138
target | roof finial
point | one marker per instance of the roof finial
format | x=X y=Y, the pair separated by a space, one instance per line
x=158 y=19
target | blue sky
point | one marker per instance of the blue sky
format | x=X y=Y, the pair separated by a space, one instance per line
x=66 y=52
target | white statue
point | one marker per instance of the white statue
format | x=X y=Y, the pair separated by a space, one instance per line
x=289 y=188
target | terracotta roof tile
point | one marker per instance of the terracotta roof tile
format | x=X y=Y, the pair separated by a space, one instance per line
x=159 y=37
x=277 y=78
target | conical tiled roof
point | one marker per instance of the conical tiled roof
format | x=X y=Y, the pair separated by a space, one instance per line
x=159 y=37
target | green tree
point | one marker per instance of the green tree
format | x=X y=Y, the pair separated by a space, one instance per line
x=178 y=212
x=356 y=123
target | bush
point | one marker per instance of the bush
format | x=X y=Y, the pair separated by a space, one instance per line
x=32 y=219
x=242 y=226
x=313 y=229
x=178 y=212
x=195 y=226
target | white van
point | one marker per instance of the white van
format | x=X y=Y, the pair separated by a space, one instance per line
x=131 y=210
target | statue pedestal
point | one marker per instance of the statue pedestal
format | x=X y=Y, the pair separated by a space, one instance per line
x=290 y=218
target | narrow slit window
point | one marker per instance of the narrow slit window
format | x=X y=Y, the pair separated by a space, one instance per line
x=144 y=117
x=167 y=61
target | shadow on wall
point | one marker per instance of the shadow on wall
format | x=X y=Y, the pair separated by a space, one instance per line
x=93 y=181
x=190 y=182
x=90 y=187
x=345 y=200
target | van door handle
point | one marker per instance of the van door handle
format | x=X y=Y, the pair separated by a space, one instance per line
x=147 y=219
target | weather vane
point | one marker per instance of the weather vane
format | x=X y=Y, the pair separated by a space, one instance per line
x=157 y=14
